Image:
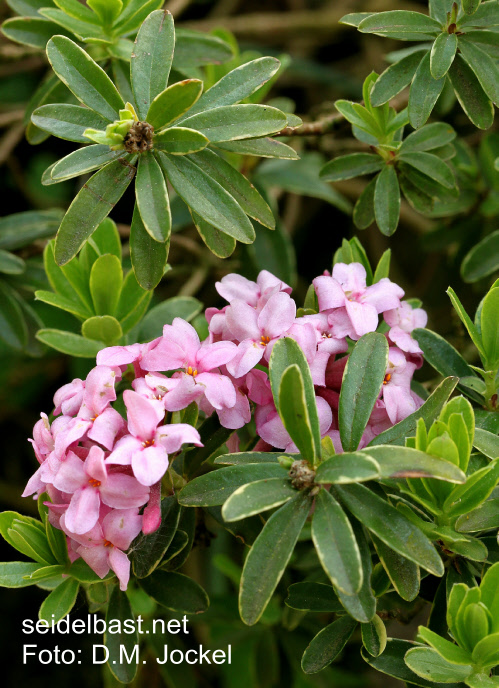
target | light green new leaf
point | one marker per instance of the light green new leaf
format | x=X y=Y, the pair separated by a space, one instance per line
x=233 y=122
x=106 y=278
x=256 y=497
x=424 y=93
x=428 y=664
x=387 y=200
x=294 y=413
x=350 y=166
x=152 y=198
x=442 y=54
x=93 y=203
x=60 y=601
x=349 y=467
x=361 y=385
x=70 y=343
x=148 y=256
x=67 y=121
x=152 y=59
x=490 y=327
x=237 y=185
x=487 y=443
x=89 y=82
x=12 y=573
x=173 y=102
x=484 y=517
x=466 y=320
x=327 y=645
x=62 y=302
x=107 y=10
x=391 y=527
x=449 y=651
x=269 y=556
x=103 y=328
x=477 y=488
x=395 y=78
x=336 y=546
x=207 y=198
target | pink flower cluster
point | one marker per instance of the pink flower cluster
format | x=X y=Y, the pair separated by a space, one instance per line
x=100 y=470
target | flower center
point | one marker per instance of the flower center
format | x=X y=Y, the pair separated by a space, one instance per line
x=108 y=544
x=326 y=335
x=192 y=371
x=94 y=483
x=148 y=443
x=387 y=379
x=264 y=340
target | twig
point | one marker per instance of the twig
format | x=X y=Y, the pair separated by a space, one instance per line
x=10 y=117
x=323 y=126
x=194 y=283
x=10 y=140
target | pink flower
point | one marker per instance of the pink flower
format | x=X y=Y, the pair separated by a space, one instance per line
x=89 y=483
x=347 y=289
x=234 y=286
x=270 y=428
x=147 y=446
x=180 y=348
x=403 y=320
x=396 y=390
x=69 y=398
x=103 y=547
x=122 y=356
x=104 y=423
x=257 y=332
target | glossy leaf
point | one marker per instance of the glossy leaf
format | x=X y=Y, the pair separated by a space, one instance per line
x=67 y=121
x=173 y=102
x=349 y=467
x=424 y=93
x=148 y=256
x=471 y=96
x=361 y=385
x=490 y=327
x=119 y=609
x=428 y=664
x=442 y=54
x=256 y=497
x=222 y=245
x=234 y=122
x=405 y=462
x=407 y=26
x=152 y=198
x=487 y=443
x=69 y=343
x=294 y=413
x=387 y=200
x=31 y=31
x=106 y=278
x=60 y=601
x=374 y=636
x=395 y=78
x=350 y=166
x=327 y=645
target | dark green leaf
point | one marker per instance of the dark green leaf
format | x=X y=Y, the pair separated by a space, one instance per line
x=176 y=592
x=264 y=147
x=442 y=54
x=152 y=198
x=407 y=26
x=232 y=122
x=119 y=609
x=67 y=121
x=148 y=256
x=32 y=31
x=429 y=137
x=327 y=645
x=387 y=200
x=405 y=462
x=193 y=48
x=471 y=96
x=483 y=66
x=70 y=343
x=148 y=552
x=294 y=413
x=185 y=307
x=313 y=597
x=428 y=664
x=222 y=245
x=349 y=467
x=82 y=161
x=395 y=79
x=363 y=213
x=350 y=166
x=13 y=330
x=374 y=636
x=404 y=574
x=424 y=93
x=256 y=497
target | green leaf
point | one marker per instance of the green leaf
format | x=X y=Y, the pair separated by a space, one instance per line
x=152 y=59
x=237 y=185
x=361 y=385
x=294 y=413
x=395 y=78
x=482 y=260
x=152 y=198
x=256 y=497
x=403 y=574
x=269 y=556
x=466 y=320
x=363 y=213
x=67 y=121
x=119 y=609
x=31 y=31
x=238 y=84
x=313 y=597
x=102 y=328
x=374 y=636
x=432 y=166
x=11 y=264
x=21 y=229
x=13 y=329
x=70 y=343
x=82 y=161
x=176 y=592
x=350 y=166
x=475 y=491
x=471 y=6
x=490 y=327
x=92 y=204
x=89 y=83
x=47 y=572
x=391 y=527
x=449 y=651
x=424 y=93
x=327 y=645
x=428 y=664
x=148 y=256
x=233 y=122
x=362 y=606
x=106 y=278
x=28 y=8
x=387 y=200
x=207 y=198
x=286 y=352
x=150 y=549
x=383 y=266
x=486 y=652
x=83 y=30
x=60 y=601
x=240 y=458
x=405 y=462
x=487 y=443
x=173 y=102
x=442 y=54
x=471 y=96
x=484 y=517
x=354 y=18
x=349 y=467
x=407 y=26
x=219 y=243
x=483 y=66
x=264 y=147
x=193 y=49
x=336 y=545
x=185 y=307
x=215 y=487
x=107 y=10
x=12 y=573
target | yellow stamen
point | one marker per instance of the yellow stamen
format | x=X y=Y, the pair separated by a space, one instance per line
x=108 y=544
x=148 y=443
x=192 y=371
x=264 y=340
x=387 y=379
x=94 y=483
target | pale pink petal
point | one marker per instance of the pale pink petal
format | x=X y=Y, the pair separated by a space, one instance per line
x=166 y=355
x=242 y=321
x=404 y=340
x=329 y=293
x=214 y=355
x=218 y=389
x=351 y=277
x=123 y=491
x=270 y=428
x=95 y=464
x=124 y=450
x=234 y=286
x=120 y=564
x=267 y=281
x=106 y=427
x=97 y=558
x=119 y=355
x=71 y=475
x=248 y=354
x=237 y=416
x=277 y=315
x=185 y=392
x=83 y=510
x=364 y=317
x=258 y=386
x=173 y=436
x=121 y=527
x=99 y=388
x=69 y=398
x=384 y=295
x=398 y=401
x=325 y=415
x=184 y=335
x=35 y=484
x=73 y=431
x=143 y=415
x=150 y=465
